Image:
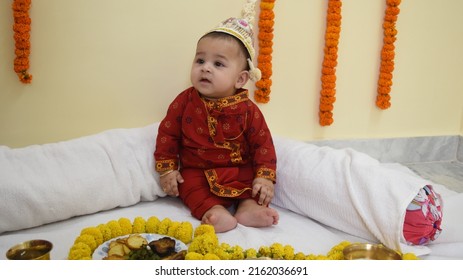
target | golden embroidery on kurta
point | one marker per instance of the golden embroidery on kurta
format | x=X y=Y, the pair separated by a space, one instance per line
x=166 y=165
x=266 y=173
x=230 y=101
x=221 y=190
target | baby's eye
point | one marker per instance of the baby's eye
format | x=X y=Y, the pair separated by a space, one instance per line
x=219 y=64
x=200 y=61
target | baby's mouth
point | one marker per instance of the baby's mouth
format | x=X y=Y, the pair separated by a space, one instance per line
x=204 y=80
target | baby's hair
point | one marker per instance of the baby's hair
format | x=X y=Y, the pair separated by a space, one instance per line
x=222 y=35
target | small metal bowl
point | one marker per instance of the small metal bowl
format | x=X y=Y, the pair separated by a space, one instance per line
x=366 y=251
x=30 y=250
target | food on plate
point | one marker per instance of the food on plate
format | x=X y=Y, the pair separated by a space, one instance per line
x=136 y=247
x=163 y=247
x=136 y=241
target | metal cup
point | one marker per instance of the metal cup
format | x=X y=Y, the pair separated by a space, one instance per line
x=366 y=251
x=30 y=250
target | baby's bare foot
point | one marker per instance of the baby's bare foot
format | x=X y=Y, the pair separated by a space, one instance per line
x=220 y=218
x=251 y=214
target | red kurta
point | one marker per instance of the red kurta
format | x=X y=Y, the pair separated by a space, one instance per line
x=227 y=140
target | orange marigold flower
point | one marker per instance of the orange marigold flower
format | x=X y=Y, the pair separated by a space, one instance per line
x=266 y=50
x=261 y=58
x=328 y=78
x=328 y=71
x=328 y=92
x=326 y=107
x=264 y=83
x=392 y=10
x=327 y=100
x=392 y=18
x=384 y=90
x=266 y=5
x=331 y=43
x=328 y=63
x=265 y=36
x=382 y=103
x=264 y=59
x=22 y=28
x=266 y=71
x=267 y=15
x=387 y=54
x=265 y=44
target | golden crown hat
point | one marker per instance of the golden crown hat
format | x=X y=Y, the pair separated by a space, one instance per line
x=241 y=28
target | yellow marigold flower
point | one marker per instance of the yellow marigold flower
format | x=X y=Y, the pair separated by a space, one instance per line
x=237 y=253
x=105 y=231
x=299 y=256
x=225 y=246
x=321 y=257
x=222 y=254
x=152 y=224
x=336 y=256
x=288 y=252
x=339 y=247
x=276 y=251
x=409 y=256
x=173 y=228
x=184 y=232
x=193 y=256
x=79 y=251
x=139 y=225
x=95 y=232
x=164 y=226
x=87 y=239
x=264 y=251
x=210 y=256
x=115 y=228
x=203 y=244
x=250 y=253
x=203 y=229
x=126 y=226
x=311 y=257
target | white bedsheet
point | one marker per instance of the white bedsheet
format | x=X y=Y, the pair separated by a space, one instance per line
x=304 y=234
x=324 y=195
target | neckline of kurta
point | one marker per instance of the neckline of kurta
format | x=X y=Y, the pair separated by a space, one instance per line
x=240 y=96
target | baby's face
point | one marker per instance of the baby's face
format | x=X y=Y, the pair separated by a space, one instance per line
x=218 y=67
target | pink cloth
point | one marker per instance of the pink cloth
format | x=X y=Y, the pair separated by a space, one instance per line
x=423 y=217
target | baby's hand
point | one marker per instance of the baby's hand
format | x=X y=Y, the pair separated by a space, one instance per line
x=169 y=182
x=265 y=189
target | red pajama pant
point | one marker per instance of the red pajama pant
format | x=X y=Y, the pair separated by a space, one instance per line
x=198 y=195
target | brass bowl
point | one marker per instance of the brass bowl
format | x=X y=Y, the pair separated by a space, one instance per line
x=366 y=251
x=30 y=250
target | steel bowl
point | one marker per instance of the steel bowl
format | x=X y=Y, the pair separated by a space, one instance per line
x=366 y=251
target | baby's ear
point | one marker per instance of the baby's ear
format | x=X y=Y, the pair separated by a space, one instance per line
x=242 y=79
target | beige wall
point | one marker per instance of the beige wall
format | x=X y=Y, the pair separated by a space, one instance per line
x=101 y=64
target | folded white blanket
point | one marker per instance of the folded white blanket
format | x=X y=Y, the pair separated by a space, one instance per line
x=46 y=183
x=345 y=189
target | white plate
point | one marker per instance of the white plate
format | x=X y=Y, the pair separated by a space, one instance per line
x=102 y=250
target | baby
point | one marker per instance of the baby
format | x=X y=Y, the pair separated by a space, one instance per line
x=214 y=149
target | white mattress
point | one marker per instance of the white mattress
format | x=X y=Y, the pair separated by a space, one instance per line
x=324 y=195
x=304 y=234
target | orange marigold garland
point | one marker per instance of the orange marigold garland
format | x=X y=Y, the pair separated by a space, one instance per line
x=22 y=28
x=264 y=59
x=383 y=98
x=328 y=78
